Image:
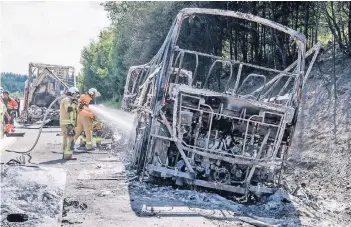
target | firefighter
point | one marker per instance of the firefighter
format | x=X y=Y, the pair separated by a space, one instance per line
x=12 y=107
x=68 y=120
x=97 y=133
x=97 y=129
x=86 y=118
x=3 y=113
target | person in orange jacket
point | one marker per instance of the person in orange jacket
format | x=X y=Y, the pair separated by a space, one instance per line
x=86 y=117
x=12 y=107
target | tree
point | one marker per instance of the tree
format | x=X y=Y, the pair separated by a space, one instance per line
x=13 y=82
x=139 y=28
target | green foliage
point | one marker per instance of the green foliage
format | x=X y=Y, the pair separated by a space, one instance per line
x=113 y=103
x=96 y=63
x=139 y=28
x=16 y=94
x=13 y=83
x=324 y=38
x=137 y=32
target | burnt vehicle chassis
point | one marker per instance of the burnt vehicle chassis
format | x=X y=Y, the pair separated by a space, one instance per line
x=45 y=83
x=228 y=140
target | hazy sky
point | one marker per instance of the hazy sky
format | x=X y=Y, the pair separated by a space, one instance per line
x=47 y=32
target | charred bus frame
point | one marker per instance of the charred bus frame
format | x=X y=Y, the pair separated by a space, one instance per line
x=175 y=129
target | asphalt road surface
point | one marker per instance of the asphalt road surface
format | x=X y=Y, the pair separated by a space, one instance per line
x=96 y=193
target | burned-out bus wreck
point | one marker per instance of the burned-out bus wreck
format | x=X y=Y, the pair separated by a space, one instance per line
x=228 y=131
x=45 y=83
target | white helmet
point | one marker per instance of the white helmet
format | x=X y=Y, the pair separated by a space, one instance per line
x=73 y=90
x=93 y=91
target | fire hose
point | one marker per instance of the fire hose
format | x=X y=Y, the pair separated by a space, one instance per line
x=27 y=152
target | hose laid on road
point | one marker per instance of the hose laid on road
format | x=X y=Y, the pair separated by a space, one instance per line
x=27 y=152
x=40 y=130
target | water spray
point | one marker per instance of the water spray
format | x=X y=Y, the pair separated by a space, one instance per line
x=117 y=120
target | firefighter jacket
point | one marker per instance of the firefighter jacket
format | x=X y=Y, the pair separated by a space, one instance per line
x=85 y=100
x=68 y=111
x=3 y=110
x=10 y=103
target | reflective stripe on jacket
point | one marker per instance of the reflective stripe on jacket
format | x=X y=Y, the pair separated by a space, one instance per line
x=67 y=118
x=3 y=110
